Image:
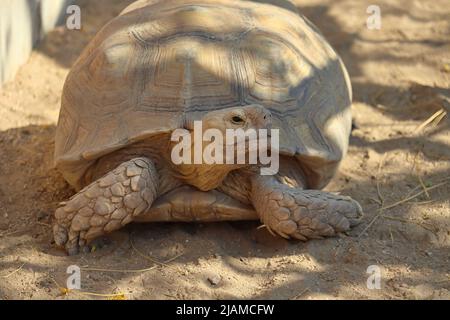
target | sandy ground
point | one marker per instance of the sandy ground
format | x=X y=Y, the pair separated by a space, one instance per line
x=396 y=73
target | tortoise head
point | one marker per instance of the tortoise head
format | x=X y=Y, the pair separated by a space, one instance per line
x=237 y=127
x=204 y=151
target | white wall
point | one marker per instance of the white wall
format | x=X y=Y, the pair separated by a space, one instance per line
x=22 y=24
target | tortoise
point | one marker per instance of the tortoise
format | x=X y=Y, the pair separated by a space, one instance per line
x=162 y=65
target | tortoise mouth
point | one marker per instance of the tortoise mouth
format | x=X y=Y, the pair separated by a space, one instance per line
x=254 y=145
x=248 y=149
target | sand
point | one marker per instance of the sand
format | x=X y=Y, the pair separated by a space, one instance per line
x=397 y=73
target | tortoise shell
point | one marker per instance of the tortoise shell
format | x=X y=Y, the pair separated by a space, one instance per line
x=161 y=64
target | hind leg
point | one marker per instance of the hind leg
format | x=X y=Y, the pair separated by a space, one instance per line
x=107 y=204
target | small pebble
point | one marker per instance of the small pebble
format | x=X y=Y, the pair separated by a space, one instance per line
x=215 y=279
x=41 y=215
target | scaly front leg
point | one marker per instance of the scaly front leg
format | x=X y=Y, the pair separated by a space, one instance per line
x=302 y=214
x=106 y=205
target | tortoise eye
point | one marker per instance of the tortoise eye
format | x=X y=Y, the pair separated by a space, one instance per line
x=237 y=120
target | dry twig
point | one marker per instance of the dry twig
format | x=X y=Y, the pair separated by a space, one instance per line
x=13 y=272
x=380 y=211
x=132 y=270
